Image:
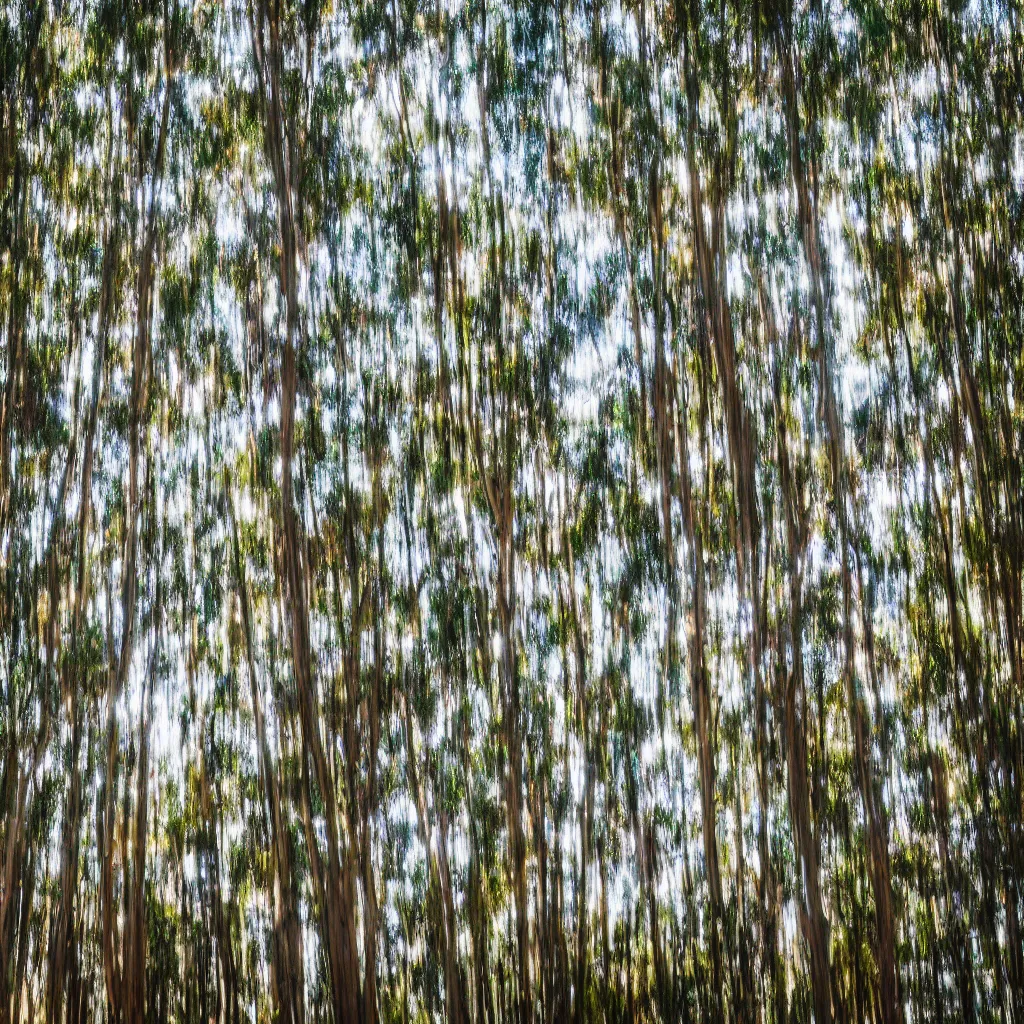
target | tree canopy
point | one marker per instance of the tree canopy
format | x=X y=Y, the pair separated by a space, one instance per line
x=511 y=512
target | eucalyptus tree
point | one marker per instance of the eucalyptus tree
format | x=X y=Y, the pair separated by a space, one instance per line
x=510 y=512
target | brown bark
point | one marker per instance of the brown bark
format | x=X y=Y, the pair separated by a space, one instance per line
x=456 y=1006
x=813 y=923
x=709 y=255
x=875 y=815
x=124 y=972
x=496 y=477
x=336 y=895
x=700 y=693
x=63 y=928
x=288 y=970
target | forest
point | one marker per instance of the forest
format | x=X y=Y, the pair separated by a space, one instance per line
x=511 y=511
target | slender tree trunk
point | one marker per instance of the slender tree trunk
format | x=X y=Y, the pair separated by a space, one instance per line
x=336 y=897
x=813 y=923
x=875 y=815
x=287 y=966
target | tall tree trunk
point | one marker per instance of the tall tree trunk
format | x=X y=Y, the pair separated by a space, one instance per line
x=813 y=923
x=336 y=897
x=287 y=974
x=876 y=818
